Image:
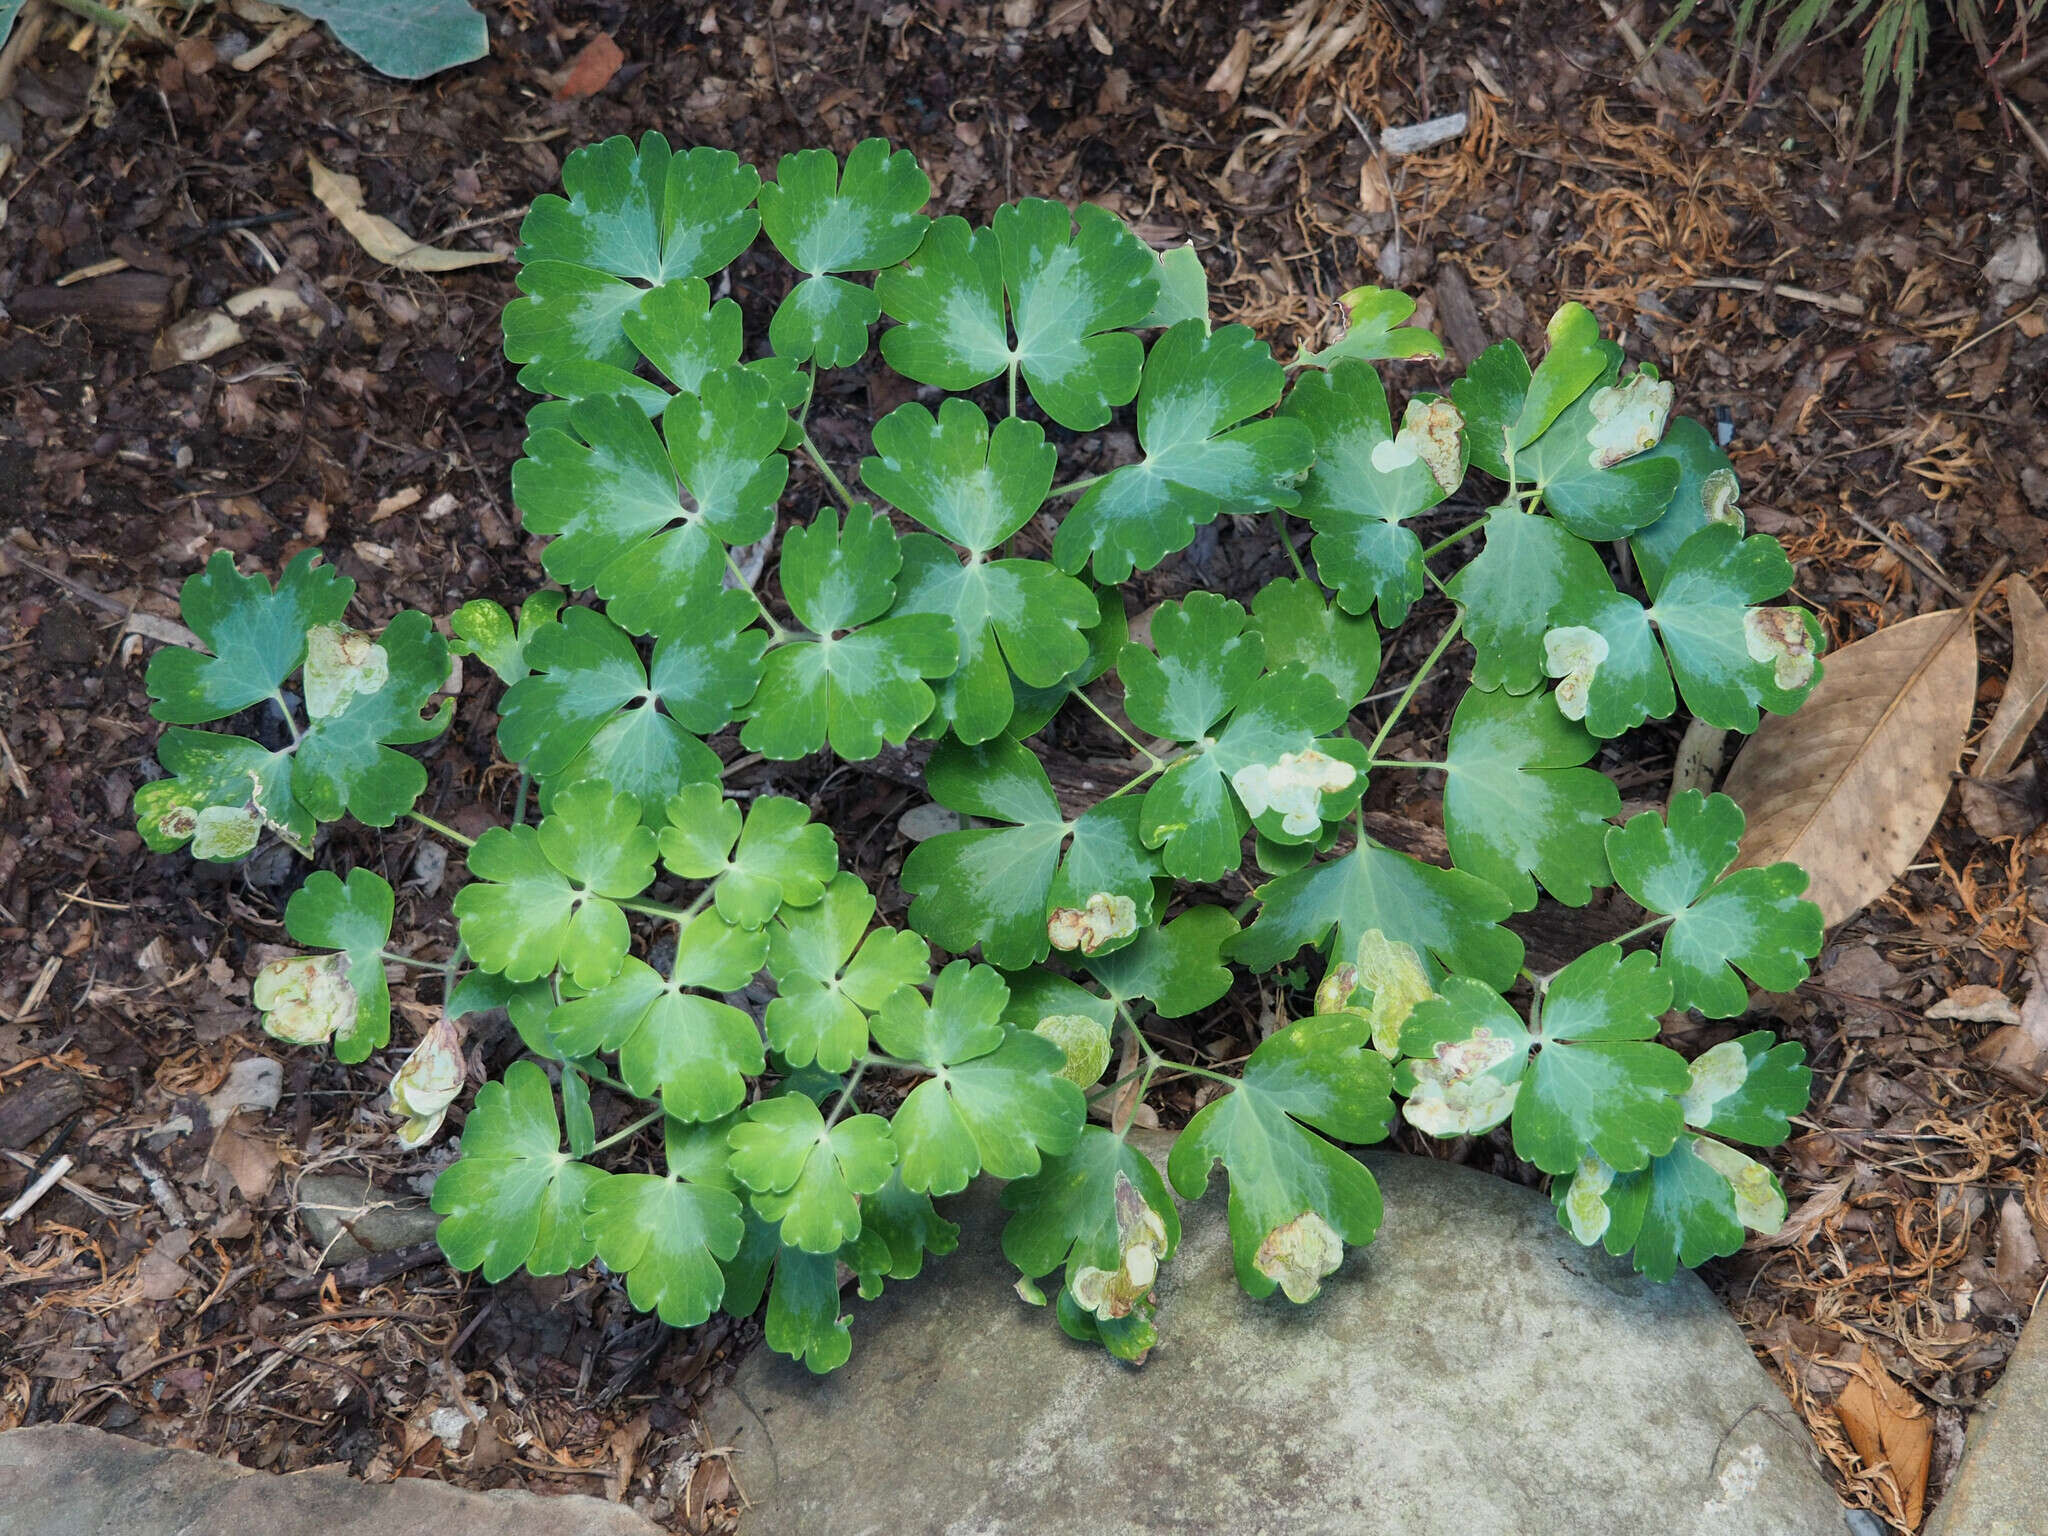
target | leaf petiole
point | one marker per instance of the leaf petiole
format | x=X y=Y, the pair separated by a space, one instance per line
x=1414 y=683
x=1157 y=762
x=777 y=635
x=446 y=967
x=831 y=475
x=1443 y=544
x=1072 y=486
x=1405 y=762
x=629 y=1129
x=441 y=829
x=1287 y=543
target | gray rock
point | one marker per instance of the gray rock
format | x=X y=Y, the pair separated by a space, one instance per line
x=68 y=1480
x=2001 y=1488
x=348 y=1217
x=1472 y=1370
x=2015 y=269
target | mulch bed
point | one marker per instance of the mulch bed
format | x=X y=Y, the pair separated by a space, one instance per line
x=1880 y=399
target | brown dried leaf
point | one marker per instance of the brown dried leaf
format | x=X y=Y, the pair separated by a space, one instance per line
x=1886 y=1423
x=2026 y=689
x=591 y=70
x=1227 y=80
x=382 y=239
x=1850 y=786
x=1974 y=1004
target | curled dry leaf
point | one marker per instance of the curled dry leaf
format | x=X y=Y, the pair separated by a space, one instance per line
x=2026 y=688
x=382 y=239
x=1850 y=786
x=1975 y=1004
x=1887 y=1424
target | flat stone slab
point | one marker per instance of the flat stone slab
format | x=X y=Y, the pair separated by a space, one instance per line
x=68 y=1480
x=1474 y=1369
x=2001 y=1487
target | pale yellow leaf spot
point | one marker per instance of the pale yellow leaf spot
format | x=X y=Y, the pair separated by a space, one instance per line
x=1085 y=1042
x=1780 y=637
x=1759 y=1203
x=1095 y=923
x=1294 y=786
x=1585 y=1207
x=428 y=1082
x=341 y=663
x=305 y=1000
x=1394 y=974
x=1334 y=995
x=1715 y=1074
x=1628 y=418
x=1298 y=1254
x=224 y=831
x=1573 y=653
x=1720 y=494
x=1141 y=1244
x=1456 y=1093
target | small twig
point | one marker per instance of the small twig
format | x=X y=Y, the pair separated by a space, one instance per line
x=160 y=1190
x=1840 y=303
x=2032 y=134
x=36 y=1191
x=1926 y=567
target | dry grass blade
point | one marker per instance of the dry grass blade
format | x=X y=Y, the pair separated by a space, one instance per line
x=1850 y=786
x=2026 y=689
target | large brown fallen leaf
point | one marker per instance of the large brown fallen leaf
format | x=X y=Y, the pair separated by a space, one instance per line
x=2026 y=688
x=1886 y=1423
x=1851 y=784
x=377 y=235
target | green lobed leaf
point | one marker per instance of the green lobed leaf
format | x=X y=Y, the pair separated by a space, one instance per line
x=807 y=1175
x=1517 y=801
x=1448 y=917
x=861 y=681
x=221 y=794
x=1688 y=1206
x=515 y=1197
x=1590 y=467
x=1007 y=888
x=544 y=896
x=1295 y=1199
x=257 y=635
x=783 y=858
x=1198 y=386
x=1507 y=407
x=1065 y=1214
x=1706 y=492
x=825 y=221
x=1528 y=567
x=406 y=39
x=484 y=629
x=695 y=1051
x=1177 y=966
x=667 y=1235
x=1075 y=279
x=1106 y=639
x=1754 y=920
x=1748 y=1089
x=1183 y=289
x=1302 y=629
x=347 y=762
x=352 y=1000
x=898 y=1227
x=995 y=1102
x=829 y=978
x=1589 y=1075
x=1729 y=656
x=1375 y=330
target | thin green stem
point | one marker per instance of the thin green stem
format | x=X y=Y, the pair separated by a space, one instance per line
x=277 y=698
x=810 y=392
x=1639 y=930
x=444 y=966
x=892 y=1063
x=831 y=475
x=1405 y=762
x=519 y=800
x=587 y=1066
x=441 y=829
x=1137 y=746
x=628 y=1130
x=663 y=909
x=450 y=977
x=1287 y=543
x=1072 y=486
x=776 y=633
x=1013 y=386
x=1462 y=534
x=1372 y=748
x=860 y=1070
x=1159 y=766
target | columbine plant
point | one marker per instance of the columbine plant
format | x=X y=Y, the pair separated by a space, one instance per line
x=662 y=940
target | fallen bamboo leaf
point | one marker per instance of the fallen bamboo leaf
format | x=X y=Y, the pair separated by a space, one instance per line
x=1850 y=786
x=1887 y=1424
x=382 y=239
x=2026 y=687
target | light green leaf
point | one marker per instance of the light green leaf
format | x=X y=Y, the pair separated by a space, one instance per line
x=257 y=636
x=1198 y=385
x=1376 y=330
x=1183 y=289
x=667 y=1235
x=1707 y=492
x=406 y=39
x=1589 y=1075
x=824 y=221
x=1512 y=589
x=861 y=681
x=222 y=792
x=483 y=629
x=829 y=980
x=1075 y=279
x=1748 y=1089
x=1106 y=639
x=1448 y=917
x=1690 y=1205
x=1610 y=672
x=543 y=896
x=1506 y=407
x=1728 y=656
x=677 y=328
x=783 y=858
x=956 y=476
x=697 y=1053
x=1517 y=802
x=1754 y=919
x=897 y=1229
x=995 y=1101
x=1103 y=1212
x=515 y=1197
x=1295 y=1200
x=1301 y=629
x=1006 y=888
x=1177 y=966
x=809 y=1176
x=1589 y=466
